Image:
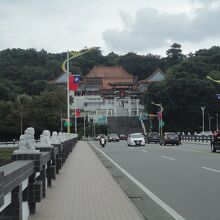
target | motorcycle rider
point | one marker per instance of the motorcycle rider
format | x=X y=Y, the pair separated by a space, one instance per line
x=102 y=140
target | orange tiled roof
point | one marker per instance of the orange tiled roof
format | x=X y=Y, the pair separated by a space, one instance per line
x=109 y=72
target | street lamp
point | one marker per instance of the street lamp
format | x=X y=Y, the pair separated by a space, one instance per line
x=203 y=118
x=158 y=105
x=210 y=126
x=159 y=119
x=66 y=69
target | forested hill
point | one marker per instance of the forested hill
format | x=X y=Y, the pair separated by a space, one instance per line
x=25 y=92
x=27 y=71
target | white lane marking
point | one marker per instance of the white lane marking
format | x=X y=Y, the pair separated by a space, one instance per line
x=206 y=168
x=189 y=150
x=162 y=204
x=169 y=158
x=145 y=151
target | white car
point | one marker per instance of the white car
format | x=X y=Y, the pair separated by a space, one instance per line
x=136 y=139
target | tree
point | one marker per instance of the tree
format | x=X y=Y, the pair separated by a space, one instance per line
x=174 y=54
x=182 y=96
x=22 y=103
x=45 y=110
x=112 y=59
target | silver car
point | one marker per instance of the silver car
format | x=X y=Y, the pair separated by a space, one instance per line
x=136 y=140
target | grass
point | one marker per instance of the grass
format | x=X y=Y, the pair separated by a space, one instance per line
x=5 y=154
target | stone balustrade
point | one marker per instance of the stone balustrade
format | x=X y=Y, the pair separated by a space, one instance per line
x=24 y=182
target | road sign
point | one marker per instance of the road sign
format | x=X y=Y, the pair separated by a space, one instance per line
x=144 y=117
x=101 y=121
x=161 y=123
x=66 y=124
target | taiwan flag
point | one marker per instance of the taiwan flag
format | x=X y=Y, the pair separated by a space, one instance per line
x=74 y=82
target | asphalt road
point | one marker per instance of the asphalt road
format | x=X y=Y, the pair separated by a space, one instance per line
x=186 y=178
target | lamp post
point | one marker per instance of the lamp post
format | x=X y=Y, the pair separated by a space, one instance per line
x=216 y=121
x=159 y=119
x=65 y=68
x=210 y=125
x=203 y=118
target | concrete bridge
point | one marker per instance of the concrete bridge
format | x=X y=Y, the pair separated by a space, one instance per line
x=63 y=181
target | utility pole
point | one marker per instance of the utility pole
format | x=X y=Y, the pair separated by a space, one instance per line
x=203 y=118
x=61 y=121
x=160 y=120
x=216 y=121
x=21 y=121
x=84 y=124
x=93 y=120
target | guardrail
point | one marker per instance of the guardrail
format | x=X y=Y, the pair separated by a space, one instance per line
x=12 y=143
x=8 y=142
x=196 y=138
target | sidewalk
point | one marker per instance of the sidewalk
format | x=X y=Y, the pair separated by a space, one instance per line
x=84 y=190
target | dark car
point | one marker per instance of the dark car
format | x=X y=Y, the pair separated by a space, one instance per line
x=215 y=143
x=122 y=137
x=153 y=137
x=170 y=138
x=113 y=137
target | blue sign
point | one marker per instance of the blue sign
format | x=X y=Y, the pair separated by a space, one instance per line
x=144 y=117
x=218 y=96
x=161 y=123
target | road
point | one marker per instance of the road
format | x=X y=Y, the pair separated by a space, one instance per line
x=186 y=178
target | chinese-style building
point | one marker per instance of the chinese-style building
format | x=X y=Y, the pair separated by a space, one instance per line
x=101 y=79
x=110 y=91
x=156 y=76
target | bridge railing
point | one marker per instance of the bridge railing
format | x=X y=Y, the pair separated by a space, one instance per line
x=24 y=181
x=8 y=143
x=197 y=138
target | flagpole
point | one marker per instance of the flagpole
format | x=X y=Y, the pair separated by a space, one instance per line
x=68 y=95
x=75 y=112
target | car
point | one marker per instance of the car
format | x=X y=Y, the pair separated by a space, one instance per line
x=139 y=133
x=215 y=144
x=153 y=137
x=122 y=137
x=113 y=137
x=169 y=138
x=136 y=140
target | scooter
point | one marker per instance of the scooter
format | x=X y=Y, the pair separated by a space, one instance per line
x=102 y=142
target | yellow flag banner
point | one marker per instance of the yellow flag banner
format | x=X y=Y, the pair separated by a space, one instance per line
x=217 y=81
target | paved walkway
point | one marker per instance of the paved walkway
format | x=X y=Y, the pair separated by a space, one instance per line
x=84 y=190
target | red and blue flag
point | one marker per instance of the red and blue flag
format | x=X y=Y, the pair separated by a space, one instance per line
x=74 y=81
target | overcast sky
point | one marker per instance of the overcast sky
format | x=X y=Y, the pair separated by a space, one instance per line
x=142 y=26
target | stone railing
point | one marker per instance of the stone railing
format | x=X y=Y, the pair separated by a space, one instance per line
x=24 y=182
x=197 y=138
